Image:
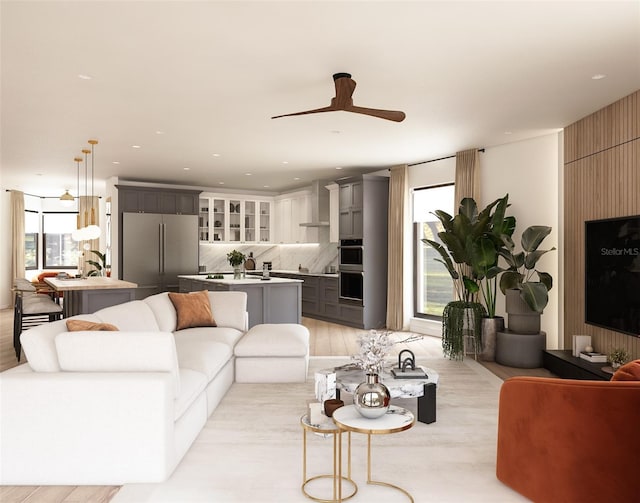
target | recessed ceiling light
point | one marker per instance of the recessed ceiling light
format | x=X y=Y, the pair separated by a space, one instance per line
x=338 y=167
x=598 y=76
x=266 y=186
x=84 y=76
x=220 y=183
x=215 y=155
x=136 y=146
x=115 y=162
x=297 y=178
x=186 y=168
x=285 y=162
x=247 y=174
x=159 y=132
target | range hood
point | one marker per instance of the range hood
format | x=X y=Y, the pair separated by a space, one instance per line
x=319 y=205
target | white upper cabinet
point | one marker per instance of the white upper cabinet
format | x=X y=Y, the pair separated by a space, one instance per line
x=290 y=211
x=233 y=218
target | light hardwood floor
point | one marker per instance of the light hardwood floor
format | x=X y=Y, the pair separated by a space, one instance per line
x=327 y=339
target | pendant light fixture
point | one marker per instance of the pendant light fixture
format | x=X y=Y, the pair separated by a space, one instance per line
x=77 y=234
x=66 y=199
x=86 y=219
x=92 y=230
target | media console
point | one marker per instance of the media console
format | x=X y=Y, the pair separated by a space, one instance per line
x=563 y=364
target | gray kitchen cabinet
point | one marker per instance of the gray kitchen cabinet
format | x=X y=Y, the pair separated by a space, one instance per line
x=310 y=295
x=134 y=199
x=351 y=199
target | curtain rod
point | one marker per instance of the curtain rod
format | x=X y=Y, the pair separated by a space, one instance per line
x=41 y=197
x=439 y=159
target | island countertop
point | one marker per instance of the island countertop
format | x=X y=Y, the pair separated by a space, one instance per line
x=248 y=280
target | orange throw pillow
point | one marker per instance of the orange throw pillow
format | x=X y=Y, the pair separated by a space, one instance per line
x=193 y=309
x=628 y=372
x=78 y=325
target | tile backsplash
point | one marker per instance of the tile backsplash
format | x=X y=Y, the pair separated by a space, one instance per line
x=315 y=257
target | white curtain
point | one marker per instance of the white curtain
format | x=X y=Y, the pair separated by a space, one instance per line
x=395 y=284
x=467 y=175
x=17 y=235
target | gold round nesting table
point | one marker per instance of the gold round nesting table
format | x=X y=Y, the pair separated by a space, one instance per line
x=348 y=419
x=327 y=428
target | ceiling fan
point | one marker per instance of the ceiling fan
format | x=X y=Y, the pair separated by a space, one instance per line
x=342 y=101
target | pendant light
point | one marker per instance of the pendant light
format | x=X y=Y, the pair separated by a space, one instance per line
x=92 y=231
x=67 y=199
x=77 y=234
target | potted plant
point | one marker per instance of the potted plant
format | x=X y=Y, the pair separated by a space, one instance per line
x=101 y=268
x=236 y=259
x=618 y=357
x=472 y=241
x=525 y=298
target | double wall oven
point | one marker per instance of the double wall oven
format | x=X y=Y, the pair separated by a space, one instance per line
x=350 y=269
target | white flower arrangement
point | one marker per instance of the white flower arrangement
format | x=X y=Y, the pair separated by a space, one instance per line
x=374 y=349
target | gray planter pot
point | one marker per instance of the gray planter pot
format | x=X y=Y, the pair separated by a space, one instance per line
x=521 y=319
x=490 y=329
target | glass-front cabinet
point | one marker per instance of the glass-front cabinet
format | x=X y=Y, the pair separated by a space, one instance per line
x=265 y=221
x=235 y=219
x=219 y=219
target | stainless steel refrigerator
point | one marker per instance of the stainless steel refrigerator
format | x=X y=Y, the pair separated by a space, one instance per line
x=156 y=248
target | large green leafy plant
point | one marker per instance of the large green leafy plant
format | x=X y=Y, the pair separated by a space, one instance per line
x=472 y=242
x=100 y=267
x=522 y=268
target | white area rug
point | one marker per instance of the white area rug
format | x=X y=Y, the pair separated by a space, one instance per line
x=251 y=448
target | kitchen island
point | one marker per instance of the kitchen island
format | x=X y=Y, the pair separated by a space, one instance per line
x=277 y=300
x=88 y=295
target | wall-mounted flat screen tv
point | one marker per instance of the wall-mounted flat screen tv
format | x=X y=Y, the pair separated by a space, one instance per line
x=612 y=274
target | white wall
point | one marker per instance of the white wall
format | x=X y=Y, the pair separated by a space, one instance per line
x=530 y=172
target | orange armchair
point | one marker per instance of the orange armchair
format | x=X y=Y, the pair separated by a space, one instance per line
x=565 y=441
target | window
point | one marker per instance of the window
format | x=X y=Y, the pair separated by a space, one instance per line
x=31 y=233
x=434 y=286
x=59 y=250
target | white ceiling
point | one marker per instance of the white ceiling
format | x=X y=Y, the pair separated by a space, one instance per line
x=209 y=75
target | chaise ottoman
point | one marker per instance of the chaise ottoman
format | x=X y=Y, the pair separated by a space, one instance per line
x=273 y=353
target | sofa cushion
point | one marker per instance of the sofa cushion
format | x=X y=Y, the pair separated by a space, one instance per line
x=39 y=347
x=197 y=351
x=91 y=351
x=274 y=339
x=77 y=325
x=163 y=310
x=228 y=336
x=229 y=309
x=628 y=372
x=134 y=316
x=192 y=309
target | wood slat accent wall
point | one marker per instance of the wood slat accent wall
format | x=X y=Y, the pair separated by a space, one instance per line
x=601 y=180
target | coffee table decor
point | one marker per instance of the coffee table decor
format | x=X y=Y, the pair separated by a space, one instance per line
x=372 y=398
x=406 y=368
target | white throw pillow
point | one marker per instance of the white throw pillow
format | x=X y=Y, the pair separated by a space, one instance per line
x=89 y=351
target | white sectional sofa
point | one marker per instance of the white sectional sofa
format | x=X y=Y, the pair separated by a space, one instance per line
x=110 y=408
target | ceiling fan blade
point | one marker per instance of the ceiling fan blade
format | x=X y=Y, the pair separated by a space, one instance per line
x=343 y=101
x=391 y=115
x=315 y=111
